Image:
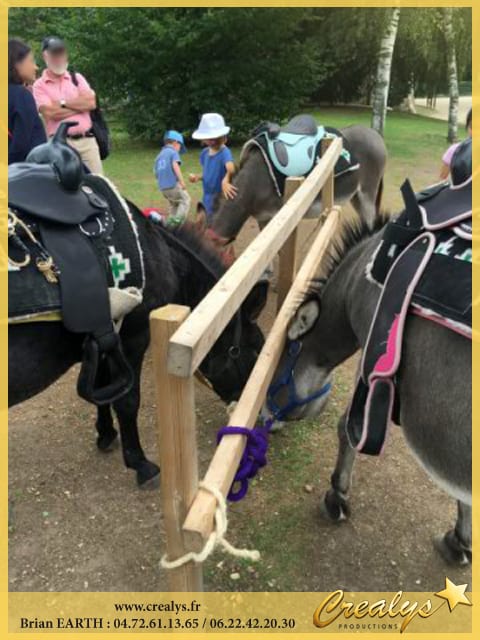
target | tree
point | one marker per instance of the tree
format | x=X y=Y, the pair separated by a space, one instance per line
x=347 y=41
x=384 y=64
x=163 y=67
x=452 y=75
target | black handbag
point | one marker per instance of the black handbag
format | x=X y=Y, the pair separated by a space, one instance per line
x=100 y=128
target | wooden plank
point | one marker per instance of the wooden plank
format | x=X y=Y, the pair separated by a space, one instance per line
x=224 y=464
x=177 y=445
x=194 y=339
x=287 y=257
x=328 y=191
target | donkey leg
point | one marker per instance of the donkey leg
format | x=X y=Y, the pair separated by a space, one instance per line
x=106 y=432
x=335 y=501
x=365 y=206
x=126 y=409
x=456 y=545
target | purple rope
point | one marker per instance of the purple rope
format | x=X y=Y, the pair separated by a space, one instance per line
x=254 y=456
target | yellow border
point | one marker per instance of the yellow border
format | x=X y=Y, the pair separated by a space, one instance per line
x=278 y=602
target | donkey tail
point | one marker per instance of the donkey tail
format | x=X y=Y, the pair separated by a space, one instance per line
x=378 y=199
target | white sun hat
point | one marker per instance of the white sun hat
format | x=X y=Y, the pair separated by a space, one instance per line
x=212 y=125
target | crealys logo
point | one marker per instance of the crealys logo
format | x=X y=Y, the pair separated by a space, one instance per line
x=336 y=607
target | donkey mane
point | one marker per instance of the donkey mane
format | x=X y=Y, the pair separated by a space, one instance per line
x=351 y=234
x=188 y=238
x=191 y=241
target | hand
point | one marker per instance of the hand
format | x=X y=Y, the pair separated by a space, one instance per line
x=229 y=191
x=182 y=185
x=193 y=177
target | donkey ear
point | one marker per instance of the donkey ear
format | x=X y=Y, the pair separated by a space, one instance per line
x=304 y=319
x=201 y=219
x=255 y=301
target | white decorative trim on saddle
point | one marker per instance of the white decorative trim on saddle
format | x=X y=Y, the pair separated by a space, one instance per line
x=423 y=266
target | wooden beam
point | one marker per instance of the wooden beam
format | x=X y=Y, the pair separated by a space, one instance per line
x=287 y=256
x=177 y=443
x=328 y=191
x=194 y=339
x=224 y=464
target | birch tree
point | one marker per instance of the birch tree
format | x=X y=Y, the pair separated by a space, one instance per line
x=384 y=65
x=452 y=74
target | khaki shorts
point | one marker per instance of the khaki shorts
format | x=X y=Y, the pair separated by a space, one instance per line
x=89 y=152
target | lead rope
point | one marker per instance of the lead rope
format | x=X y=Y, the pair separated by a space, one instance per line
x=216 y=538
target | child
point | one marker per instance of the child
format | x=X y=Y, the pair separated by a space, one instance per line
x=448 y=155
x=169 y=177
x=216 y=160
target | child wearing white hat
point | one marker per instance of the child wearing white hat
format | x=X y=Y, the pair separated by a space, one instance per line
x=216 y=160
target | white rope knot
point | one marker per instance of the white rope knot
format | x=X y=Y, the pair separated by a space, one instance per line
x=217 y=537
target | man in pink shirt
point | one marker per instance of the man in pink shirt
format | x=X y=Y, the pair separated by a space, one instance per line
x=58 y=99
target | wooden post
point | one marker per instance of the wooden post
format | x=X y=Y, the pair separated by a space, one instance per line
x=328 y=190
x=287 y=256
x=224 y=464
x=177 y=443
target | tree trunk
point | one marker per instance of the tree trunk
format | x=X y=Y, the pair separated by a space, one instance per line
x=408 y=103
x=452 y=74
x=384 y=65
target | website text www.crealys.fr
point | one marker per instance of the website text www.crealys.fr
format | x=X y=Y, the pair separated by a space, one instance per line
x=150 y=607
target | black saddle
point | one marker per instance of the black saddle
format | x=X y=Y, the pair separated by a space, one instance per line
x=423 y=265
x=69 y=224
x=36 y=190
x=64 y=159
x=302 y=125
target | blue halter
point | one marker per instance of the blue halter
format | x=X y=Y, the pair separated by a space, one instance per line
x=286 y=379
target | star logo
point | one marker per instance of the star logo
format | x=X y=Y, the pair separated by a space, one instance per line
x=454 y=594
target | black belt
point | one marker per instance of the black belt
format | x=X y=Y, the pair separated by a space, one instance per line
x=79 y=136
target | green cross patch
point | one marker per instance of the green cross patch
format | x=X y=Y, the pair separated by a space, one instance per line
x=119 y=265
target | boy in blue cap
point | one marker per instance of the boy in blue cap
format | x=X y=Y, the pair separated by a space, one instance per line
x=170 y=179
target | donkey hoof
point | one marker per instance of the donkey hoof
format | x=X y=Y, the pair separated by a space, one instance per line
x=335 y=506
x=148 y=475
x=107 y=443
x=451 y=550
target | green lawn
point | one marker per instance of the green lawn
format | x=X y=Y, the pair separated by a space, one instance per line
x=415 y=145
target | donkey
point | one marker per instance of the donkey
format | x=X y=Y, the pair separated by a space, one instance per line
x=435 y=401
x=179 y=268
x=256 y=195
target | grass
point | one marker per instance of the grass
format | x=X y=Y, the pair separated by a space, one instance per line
x=413 y=142
x=278 y=517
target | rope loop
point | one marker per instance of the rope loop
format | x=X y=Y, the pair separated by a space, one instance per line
x=254 y=456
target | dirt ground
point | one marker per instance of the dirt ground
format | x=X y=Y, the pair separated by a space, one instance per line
x=78 y=521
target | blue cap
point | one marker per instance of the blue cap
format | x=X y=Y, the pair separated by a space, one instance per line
x=175 y=135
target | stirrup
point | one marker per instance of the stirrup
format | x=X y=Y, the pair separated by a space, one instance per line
x=101 y=351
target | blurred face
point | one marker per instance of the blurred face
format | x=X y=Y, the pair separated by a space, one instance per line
x=56 y=61
x=214 y=142
x=176 y=145
x=27 y=69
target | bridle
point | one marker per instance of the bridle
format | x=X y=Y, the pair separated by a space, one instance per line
x=286 y=379
x=239 y=359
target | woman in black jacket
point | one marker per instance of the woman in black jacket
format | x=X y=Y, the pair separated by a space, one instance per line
x=25 y=129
